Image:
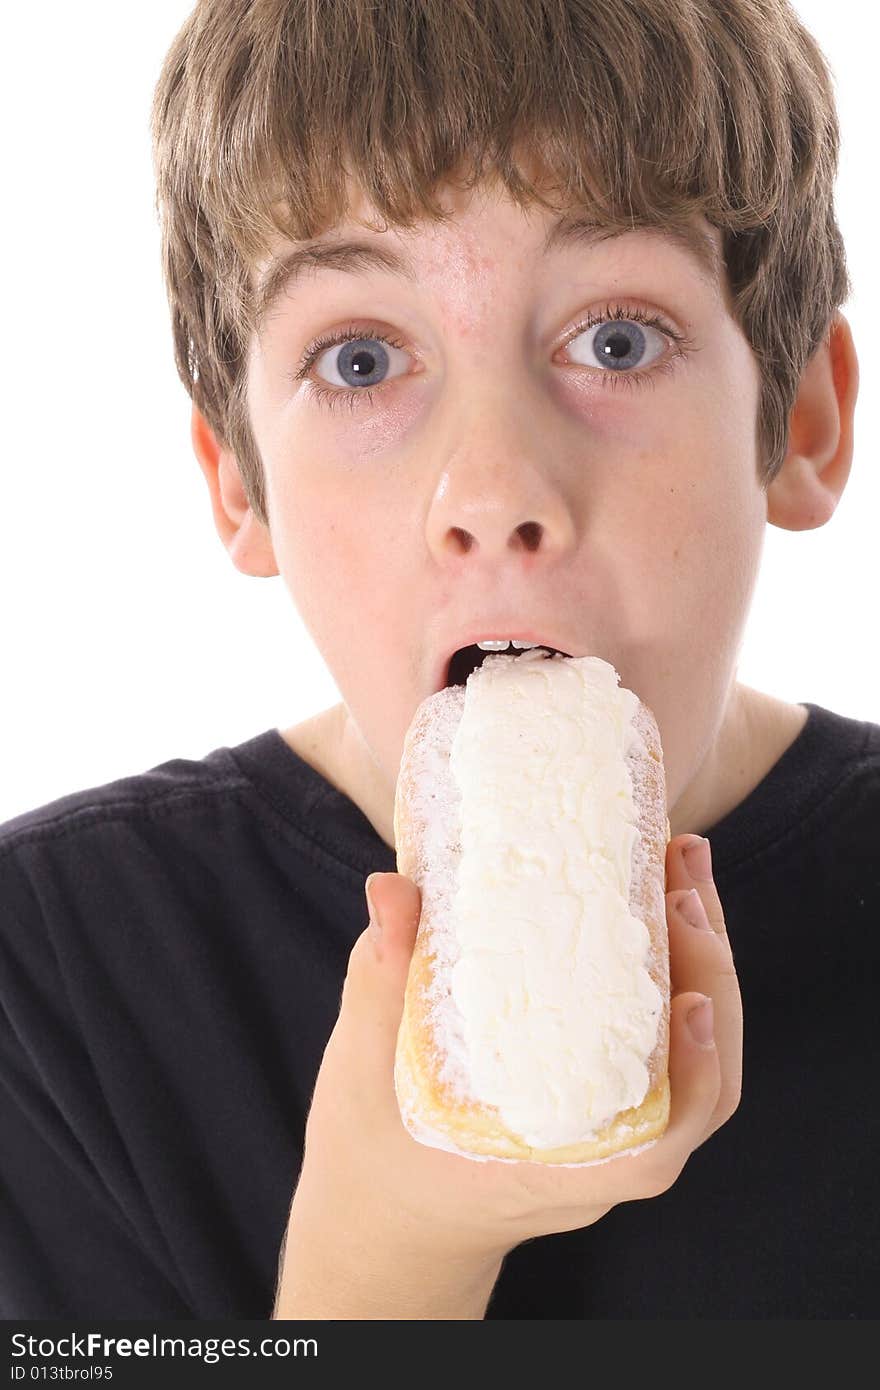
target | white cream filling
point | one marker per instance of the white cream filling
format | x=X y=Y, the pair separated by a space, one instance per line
x=557 y=1013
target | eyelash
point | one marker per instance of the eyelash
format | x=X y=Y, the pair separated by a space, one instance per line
x=338 y=396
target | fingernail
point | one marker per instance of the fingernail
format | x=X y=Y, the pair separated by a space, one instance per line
x=698 y=860
x=692 y=910
x=701 y=1022
x=375 y=926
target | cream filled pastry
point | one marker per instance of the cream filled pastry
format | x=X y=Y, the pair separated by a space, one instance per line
x=531 y=812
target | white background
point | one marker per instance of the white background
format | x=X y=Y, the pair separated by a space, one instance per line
x=128 y=637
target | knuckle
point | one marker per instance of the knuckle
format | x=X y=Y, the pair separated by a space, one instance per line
x=663 y=1175
x=350 y=985
x=728 y=1103
x=729 y=1099
x=726 y=974
x=357 y=956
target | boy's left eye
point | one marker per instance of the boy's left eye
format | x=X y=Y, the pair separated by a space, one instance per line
x=618 y=344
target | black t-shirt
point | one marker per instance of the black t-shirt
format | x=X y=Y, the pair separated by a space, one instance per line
x=173 y=947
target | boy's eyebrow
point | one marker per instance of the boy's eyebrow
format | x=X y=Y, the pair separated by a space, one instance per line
x=360 y=257
x=697 y=245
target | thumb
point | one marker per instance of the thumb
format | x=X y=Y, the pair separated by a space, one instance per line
x=373 y=992
x=395 y=906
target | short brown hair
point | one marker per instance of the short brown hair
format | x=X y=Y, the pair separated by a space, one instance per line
x=645 y=113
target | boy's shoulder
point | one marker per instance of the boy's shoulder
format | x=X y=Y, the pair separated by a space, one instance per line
x=225 y=815
x=822 y=791
x=838 y=746
x=133 y=795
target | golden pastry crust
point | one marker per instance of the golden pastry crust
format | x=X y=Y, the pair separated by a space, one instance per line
x=431 y=1110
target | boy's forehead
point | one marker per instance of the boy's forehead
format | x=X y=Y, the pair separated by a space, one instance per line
x=483 y=222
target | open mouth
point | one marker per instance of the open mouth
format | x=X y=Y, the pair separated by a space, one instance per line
x=468 y=659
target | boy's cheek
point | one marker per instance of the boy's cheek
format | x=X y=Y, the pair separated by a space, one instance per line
x=341 y=439
x=383 y=434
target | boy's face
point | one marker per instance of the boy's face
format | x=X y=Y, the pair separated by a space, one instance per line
x=499 y=482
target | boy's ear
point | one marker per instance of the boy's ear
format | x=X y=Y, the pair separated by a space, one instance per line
x=247 y=539
x=810 y=483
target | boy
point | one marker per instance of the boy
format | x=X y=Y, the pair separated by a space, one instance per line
x=557 y=401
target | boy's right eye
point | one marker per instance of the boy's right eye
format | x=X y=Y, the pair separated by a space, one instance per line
x=357 y=359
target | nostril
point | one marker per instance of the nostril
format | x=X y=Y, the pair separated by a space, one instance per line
x=531 y=534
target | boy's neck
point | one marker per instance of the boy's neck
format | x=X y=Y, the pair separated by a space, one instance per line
x=756 y=730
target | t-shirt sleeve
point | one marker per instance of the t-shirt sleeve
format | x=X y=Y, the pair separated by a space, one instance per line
x=76 y=1234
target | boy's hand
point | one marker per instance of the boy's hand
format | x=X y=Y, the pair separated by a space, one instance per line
x=384 y=1227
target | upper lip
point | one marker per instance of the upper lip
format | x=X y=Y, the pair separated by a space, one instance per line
x=485 y=631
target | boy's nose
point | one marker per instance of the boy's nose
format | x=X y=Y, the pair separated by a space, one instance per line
x=496 y=530
x=527 y=536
